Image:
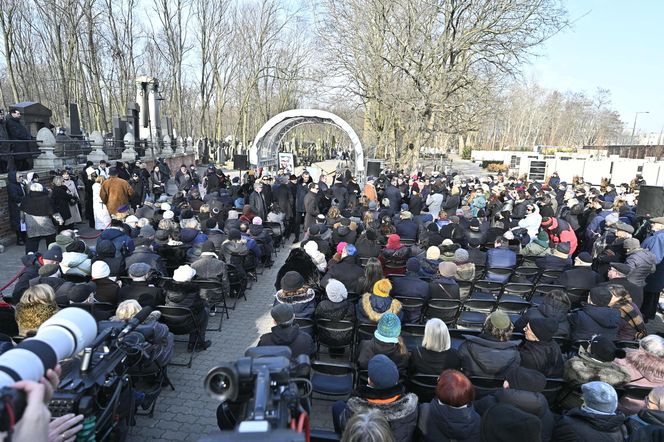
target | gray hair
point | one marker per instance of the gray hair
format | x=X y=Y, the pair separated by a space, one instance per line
x=653 y=344
x=656 y=396
x=368 y=427
x=36 y=187
x=58 y=180
x=189 y=223
x=127 y=309
x=436 y=336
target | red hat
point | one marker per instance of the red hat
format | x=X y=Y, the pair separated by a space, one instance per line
x=393 y=241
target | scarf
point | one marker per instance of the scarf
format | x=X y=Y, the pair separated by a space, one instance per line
x=629 y=314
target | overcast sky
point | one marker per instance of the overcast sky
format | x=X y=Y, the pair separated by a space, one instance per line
x=613 y=44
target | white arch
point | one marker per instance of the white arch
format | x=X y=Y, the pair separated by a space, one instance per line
x=266 y=143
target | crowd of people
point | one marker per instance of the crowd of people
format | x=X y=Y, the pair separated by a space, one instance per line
x=527 y=302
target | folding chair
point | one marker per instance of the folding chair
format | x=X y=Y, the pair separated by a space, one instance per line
x=306 y=326
x=541 y=290
x=457 y=336
x=408 y=241
x=524 y=273
x=413 y=307
x=423 y=385
x=149 y=380
x=353 y=297
x=498 y=274
x=516 y=289
x=577 y=296
x=444 y=309
x=180 y=321
x=335 y=335
x=479 y=272
x=552 y=388
x=332 y=379
x=465 y=288
x=365 y=331
x=237 y=283
x=549 y=276
x=206 y=287
x=412 y=334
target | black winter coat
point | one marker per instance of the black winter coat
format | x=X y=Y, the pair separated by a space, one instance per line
x=593 y=320
x=146 y=255
x=299 y=342
x=61 y=201
x=578 y=425
x=544 y=357
x=483 y=356
x=414 y=287
x=347 y=272
x=335 y=311
x=366 y=248
x=442 y=423
x=548 y=308
x=16 y=193
x=425 y=361
x=407 y=229
x=396 y=258
x=372 y=347
x=444 y=288
x=578 y=277
x=147 y=295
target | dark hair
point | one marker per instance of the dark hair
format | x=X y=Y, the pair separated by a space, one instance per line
x=454 y=389
x=559 y=296
x=373 y=271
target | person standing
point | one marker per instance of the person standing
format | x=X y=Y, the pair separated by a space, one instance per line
x=75 y=214
x=17 y=190
x=302 y=187
x=39 y=216
x=115 y=192
x=257 y=201
x=310 y=206
x=138 y=187
x=101 y=216
x=20 y=136
x=88 y=176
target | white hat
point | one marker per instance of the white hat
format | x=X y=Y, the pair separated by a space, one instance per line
x=100 y=270
x=165 y=206
x=168 y=214
x=336 y=290
x=131 y=220
x=184 y=273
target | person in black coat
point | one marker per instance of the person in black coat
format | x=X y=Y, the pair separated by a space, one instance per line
x=340 y=193
x=287 y=332
x=181 y=292
x=415 y=204
x=106 y=252
x=596 y=420
x=367 y=245
x=539 y=351
x=138 y=186
x=106 y=289
x=335 y=307
x=443 y=285
x=523 y=390
x=144 y=253
x=436 y=353
x=618 y=276
x=450 y=415
x=16 y=190
x=596 y=317
x=407 y=228
x=581 y=276
x=17 y=131
x=555 y=305
x=61 y=200
x=140 y=289
x=347 y=270
x=558 y=260
x=411 y=286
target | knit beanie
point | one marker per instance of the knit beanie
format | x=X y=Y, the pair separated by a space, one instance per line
x=543 y=328
x=383 y=372
x=603 y=349
x=100 y=270
x=433 y=253
x=340 y=247
x=382 y=288
x=500 y=320
x=336 y=290
x=393 y=241
x=599 y=396
x=292 y=281
x=413 y=265
x=388 y=329
x=461 y=256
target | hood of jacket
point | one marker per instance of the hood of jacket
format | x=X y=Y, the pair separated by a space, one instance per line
x=489 y=355
x=429 y=267
x=649 y=365
x=553 y=309
x=105 y=248
x=285 y=335
x=111 y=234
x=374 y=306
x=403 y=407
x=457 y=423
x=255 y=230
x=302 y=296
x=74 y=259
x=653 y=417
x=606 y=317
x=528 y=401
x=600 y=422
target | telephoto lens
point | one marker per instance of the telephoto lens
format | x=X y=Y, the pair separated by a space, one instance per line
x=63 y=335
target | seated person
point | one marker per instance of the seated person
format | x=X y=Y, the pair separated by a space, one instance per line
x=66 y=292
x=522 y=389
x=145 y=254
x=37 y=304
x=372 y=306
x=436 y=353
x=596 y=419
x=346 y=270
x=181 y=292
x=539 y=351
x=555 y=305
x=106 y=252
x=210 y=267
x=558 y=260
x=500 y=256
x=650 y=416
x=465 y=268
x=106 y=289
x=394 y=256
x=287 y=332
x=444 y=286
x=140 y=289
x=429 y=262
x=582 y=276
x=385 y=394
x=632 y=327
x=386 y=341
x=75 y=260
x=450 y=415
x=295 y=292
x=311 y=247
x=411 y=286
x=335 y=307
x=161 y=345
x=595 y=317
x=491 y=354
x=645 y=366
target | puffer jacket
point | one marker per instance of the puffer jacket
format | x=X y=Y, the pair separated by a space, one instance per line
x=442 y=423
x=645 y=370
x=367 y=248
x=579 y=425
x=429 y=267
x=184 y=294
x=531 y=222
x=347 y=272
x=400 y=413
x=544 y=357
x=160 y=350
x=642 y=262
x=146 y=255
x=302 y=301
x=548 y=308
x=584 y=368
x=484 y=356
x=371 y=308
x=526 y=401
x=75 y=263
x=335 y=311
x=561 y=231
x=394 y=260
x=343 y=234
x=593 y=320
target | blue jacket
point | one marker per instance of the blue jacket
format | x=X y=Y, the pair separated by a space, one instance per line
x=413 y=287
x=593 y=320
x=407 y=229
x=253 y=246
x=500 y=257
x=120 y=240
x=655 y=243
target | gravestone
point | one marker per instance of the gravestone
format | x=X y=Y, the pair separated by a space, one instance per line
x=74 y=121
x=119 y=131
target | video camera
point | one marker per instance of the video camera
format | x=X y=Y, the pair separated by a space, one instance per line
x=94 y=381
x=264 y=394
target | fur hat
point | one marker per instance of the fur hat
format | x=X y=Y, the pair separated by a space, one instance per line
x=599 y=396
x=433 y=252
x=292 y=281
x=184 y=273
x=382 y=288
x=388 y=329
x=335 y=290
x=100 y=270
x=48 y=270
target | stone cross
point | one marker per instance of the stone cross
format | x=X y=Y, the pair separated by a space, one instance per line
x=97 y=142
x=46 y=143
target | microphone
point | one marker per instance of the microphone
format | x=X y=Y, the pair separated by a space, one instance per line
x=136 y=320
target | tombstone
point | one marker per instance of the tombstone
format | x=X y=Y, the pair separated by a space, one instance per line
x=97 y=143
x=133 y=111
x=74 y=121
x=119 y=131
x=47 y=160
x=167 y=151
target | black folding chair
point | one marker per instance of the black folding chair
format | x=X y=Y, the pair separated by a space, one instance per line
x=332 y=379
x=413 y=307
x=237 y=283
x=180 y=321
x=412 y=335
x=365 y=331
x=215 y=288
x=485 y=385
x=541 y=290
x=465 y=288
x=306 y=326
x=423 y=385
x=577 y=296
x=549 y=276
x=521 y=290
x=444 y=309
x=335 y=335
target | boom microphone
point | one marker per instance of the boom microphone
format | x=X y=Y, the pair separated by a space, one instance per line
x=136 y=320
